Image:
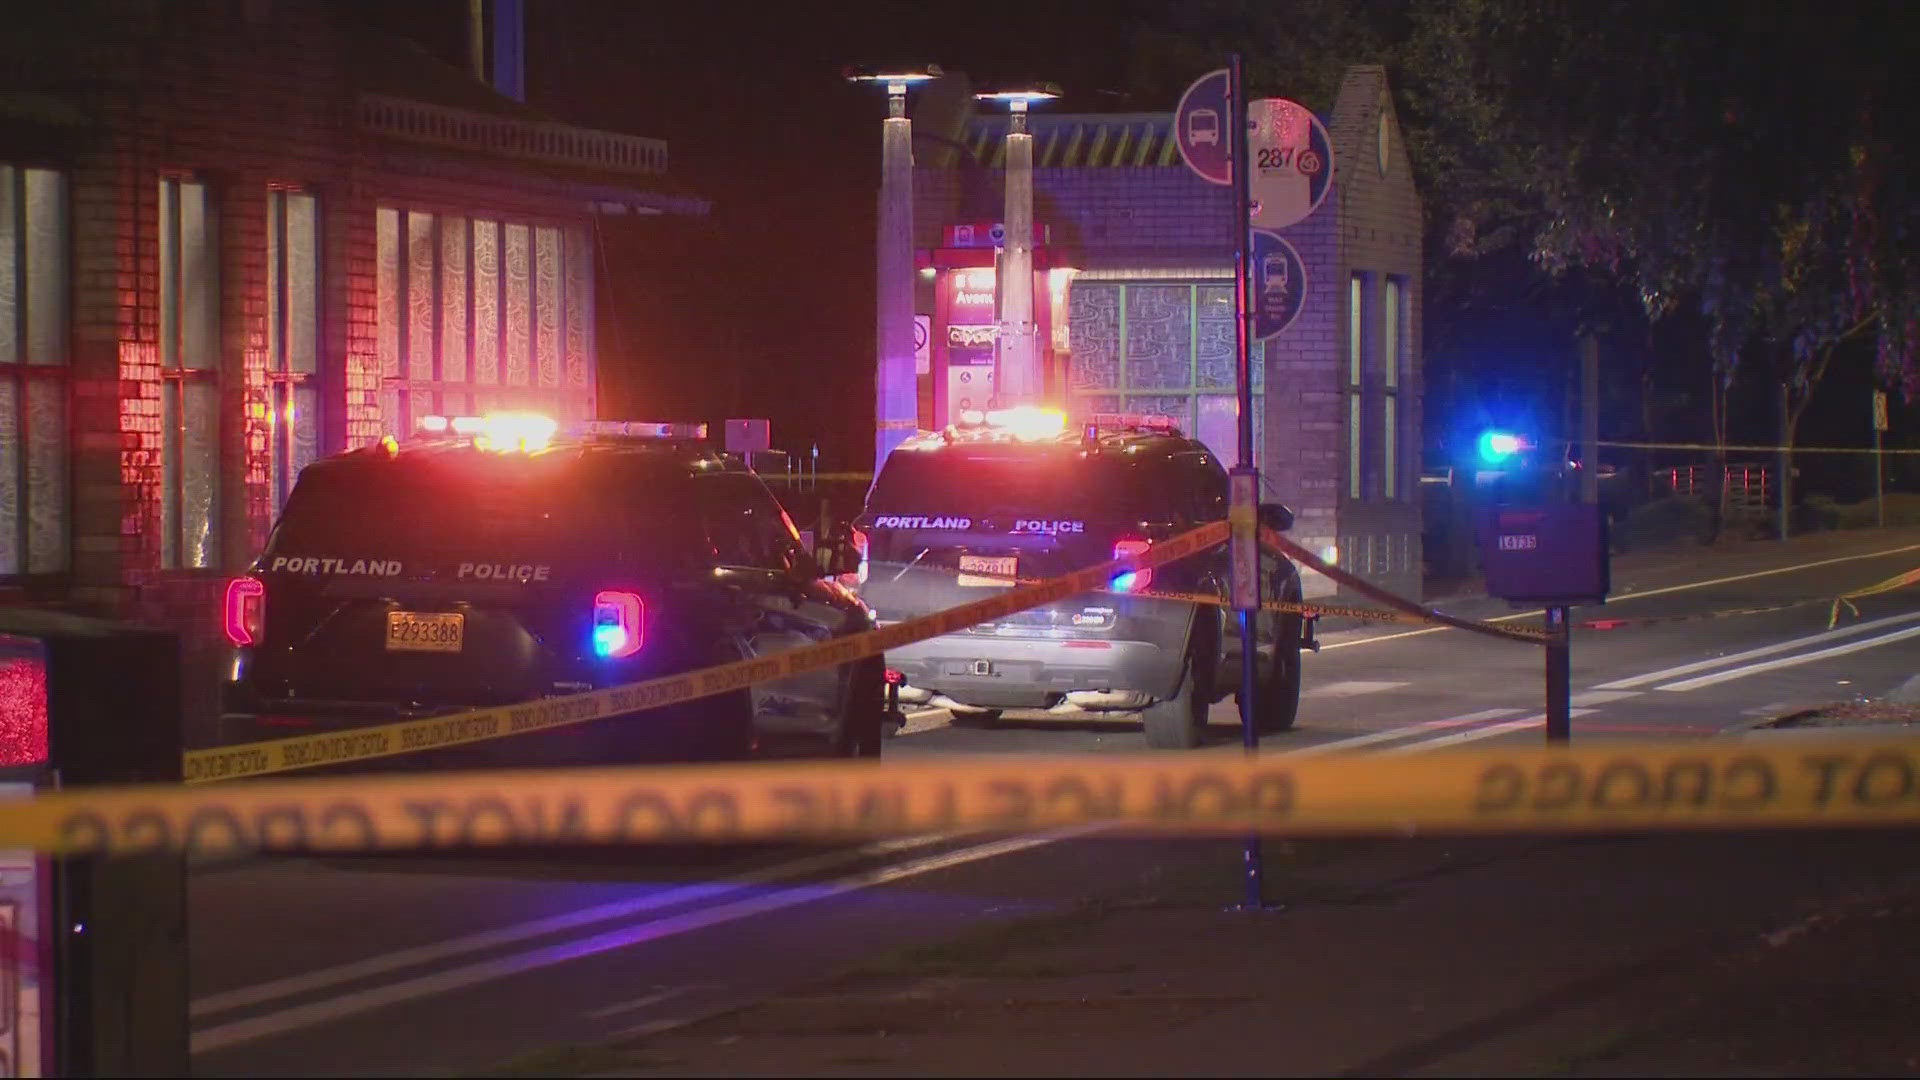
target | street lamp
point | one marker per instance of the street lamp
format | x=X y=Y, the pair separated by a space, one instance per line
x=1018 y=378
x=896 y=395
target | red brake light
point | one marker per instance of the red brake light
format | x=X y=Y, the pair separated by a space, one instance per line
x=1131 y=580
x=618 y=623
x=246 y=610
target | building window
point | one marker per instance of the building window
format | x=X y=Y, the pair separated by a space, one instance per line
x=293 y=335
x=33 y=371
x=1161 y=347
x=190 y=374
x=1391 y=313
x=1356 y=386
x=479 y=314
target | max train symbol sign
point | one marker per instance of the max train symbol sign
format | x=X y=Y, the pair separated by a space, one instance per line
x=1278 y=285
x=1292 y=162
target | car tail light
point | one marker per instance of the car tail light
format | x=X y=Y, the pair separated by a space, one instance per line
x=617 y=623
x=1131 y=580
x=246 y=610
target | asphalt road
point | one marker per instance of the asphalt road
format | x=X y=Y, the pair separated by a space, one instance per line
x=412 y=965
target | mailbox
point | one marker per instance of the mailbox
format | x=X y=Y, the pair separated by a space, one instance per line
x=93 y=976
x=1551 y=554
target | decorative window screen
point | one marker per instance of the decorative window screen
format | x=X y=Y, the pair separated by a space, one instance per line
x=478 y=314
x=1161 y=347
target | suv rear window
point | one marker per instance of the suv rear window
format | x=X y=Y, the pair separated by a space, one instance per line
x=1055 y=482
x=456 y=506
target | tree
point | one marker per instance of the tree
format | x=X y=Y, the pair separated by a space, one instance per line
x=1663 y=146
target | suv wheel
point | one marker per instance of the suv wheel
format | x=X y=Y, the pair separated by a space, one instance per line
x=863 y=710
x=1178 y=722
x=1279 y=699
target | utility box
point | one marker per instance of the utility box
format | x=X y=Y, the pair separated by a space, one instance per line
x=1551 y=554
x=94 y=979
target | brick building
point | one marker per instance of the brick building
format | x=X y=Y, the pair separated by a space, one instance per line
x=239 y=234
x=1134 y=295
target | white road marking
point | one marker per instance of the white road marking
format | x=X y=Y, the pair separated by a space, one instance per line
x=641 y=1002
x=1751 y=654
x=1487 y=732
x=1351 y=688
x=1641 y=595
x=211 y=1039
x=1601 y=697
x=440 y=950
x=1790 y=661
x=1405 y=731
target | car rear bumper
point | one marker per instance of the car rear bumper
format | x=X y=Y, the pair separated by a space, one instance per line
x=992 y=672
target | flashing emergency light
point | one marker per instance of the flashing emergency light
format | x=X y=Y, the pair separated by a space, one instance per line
x=1131 y=580
x=1029 y=421
x=502 y=431
x=1497 y=446
x=514 y=431
x=617 y=629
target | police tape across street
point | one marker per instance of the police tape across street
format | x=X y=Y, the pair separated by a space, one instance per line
x=1722 y=783
x=476 y=725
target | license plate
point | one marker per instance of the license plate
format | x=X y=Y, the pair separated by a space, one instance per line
x=425 y=631
x=999 y=565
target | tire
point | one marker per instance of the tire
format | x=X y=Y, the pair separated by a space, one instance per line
x=1180 y=722
x=863 y=711
x=1279 y=700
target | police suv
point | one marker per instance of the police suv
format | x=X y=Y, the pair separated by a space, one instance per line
x=1017 y=494
x=494 y=560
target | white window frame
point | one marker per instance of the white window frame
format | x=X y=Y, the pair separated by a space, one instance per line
x=190 y=346
x=35 y=354
x=293 y=333
x=1392 y=346
x=1356 y=386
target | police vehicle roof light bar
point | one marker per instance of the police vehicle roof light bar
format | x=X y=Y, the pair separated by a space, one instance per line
x=1135 y=421
x=640 y=429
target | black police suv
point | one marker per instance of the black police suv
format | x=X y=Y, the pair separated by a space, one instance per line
x=955 y=513
x=460 y=570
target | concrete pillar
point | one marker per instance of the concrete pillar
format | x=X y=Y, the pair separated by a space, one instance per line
x=1019 y=379
x=896 y=403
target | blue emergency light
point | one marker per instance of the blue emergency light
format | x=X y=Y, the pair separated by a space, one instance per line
x=1497 y=446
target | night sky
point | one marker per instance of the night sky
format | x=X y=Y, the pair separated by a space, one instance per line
x=766 y=307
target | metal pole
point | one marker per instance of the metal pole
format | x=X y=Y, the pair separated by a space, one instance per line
x=1559 y=677
x=1246 y=489
x=1879 y=468
x=896 y=405
x=1786 y=460
x=1590 y=419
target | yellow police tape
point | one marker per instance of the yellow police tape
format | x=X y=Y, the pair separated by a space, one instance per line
x=1669 y=785
x=477 y=725
x=1898 y=581
x=1748 y=448
x=1274 y=541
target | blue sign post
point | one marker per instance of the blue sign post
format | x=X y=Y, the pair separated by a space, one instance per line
x=1203 y=128
x=1278 y=283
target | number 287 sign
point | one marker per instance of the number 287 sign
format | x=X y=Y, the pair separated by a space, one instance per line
x=1292 y=162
